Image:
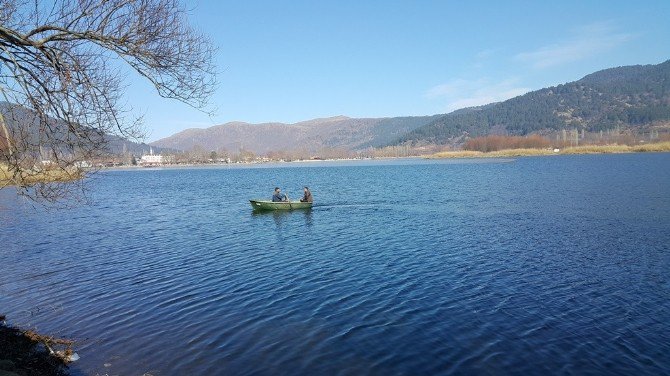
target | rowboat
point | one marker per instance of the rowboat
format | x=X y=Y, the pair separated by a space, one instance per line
x=269 y=205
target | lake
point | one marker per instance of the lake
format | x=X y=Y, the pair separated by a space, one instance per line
x=539 y=265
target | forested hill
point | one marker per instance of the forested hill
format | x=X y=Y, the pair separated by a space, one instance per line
x=631 y=96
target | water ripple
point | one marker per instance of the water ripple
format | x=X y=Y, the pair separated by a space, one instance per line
x=542 y=265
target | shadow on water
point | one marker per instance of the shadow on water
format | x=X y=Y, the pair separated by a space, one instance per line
x=279 y=213
x=283 y=216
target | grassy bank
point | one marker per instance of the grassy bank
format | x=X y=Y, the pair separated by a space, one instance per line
x=34 y=176
x=585 y=149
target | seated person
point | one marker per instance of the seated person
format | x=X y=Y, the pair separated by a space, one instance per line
x=307 y=197
x=278 y=196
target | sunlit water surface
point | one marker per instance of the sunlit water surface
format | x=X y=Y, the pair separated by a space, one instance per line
x=538 y=265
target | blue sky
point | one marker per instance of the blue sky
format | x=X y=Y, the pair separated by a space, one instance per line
x=289 y=61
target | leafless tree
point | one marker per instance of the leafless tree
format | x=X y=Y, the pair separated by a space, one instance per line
x=62 y=79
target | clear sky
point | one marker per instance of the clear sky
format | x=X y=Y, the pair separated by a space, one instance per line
x=289 y=61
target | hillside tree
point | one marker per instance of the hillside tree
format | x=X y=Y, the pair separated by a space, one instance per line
x=63 y=71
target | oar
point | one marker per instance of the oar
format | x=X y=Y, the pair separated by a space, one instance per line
x=289 y=202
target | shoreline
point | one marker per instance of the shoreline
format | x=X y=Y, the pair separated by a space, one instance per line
x=246 y=164
x=61 y=177
x=456 y=154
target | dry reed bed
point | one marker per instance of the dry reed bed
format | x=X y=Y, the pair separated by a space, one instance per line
x=585 y=149
x=30 y=177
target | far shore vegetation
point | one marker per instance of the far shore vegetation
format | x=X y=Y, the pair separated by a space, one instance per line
x=515 y=146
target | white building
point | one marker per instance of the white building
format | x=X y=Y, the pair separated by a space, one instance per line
x=153 y=159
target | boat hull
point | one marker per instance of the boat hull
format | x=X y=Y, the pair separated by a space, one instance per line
x=261 y=205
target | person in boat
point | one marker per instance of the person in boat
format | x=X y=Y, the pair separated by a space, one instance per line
x=307 y=197
x=278 y=196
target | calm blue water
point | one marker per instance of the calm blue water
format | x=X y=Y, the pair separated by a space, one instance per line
x=529 y=266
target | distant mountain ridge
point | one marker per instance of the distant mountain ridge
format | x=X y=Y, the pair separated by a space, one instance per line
x=18 y=119
x=630 y=96
x=312 y=135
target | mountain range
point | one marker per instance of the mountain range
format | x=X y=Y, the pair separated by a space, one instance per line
x=338 y=132
x=630 y=97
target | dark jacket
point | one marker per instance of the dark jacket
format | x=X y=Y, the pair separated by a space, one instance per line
x=307 y=197
x=279 y=197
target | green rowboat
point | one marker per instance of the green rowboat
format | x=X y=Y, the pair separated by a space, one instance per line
x=269 y=205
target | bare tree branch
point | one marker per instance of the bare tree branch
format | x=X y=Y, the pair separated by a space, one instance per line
x=61 y=85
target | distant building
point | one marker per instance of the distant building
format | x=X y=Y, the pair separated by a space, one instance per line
x=152 y=159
